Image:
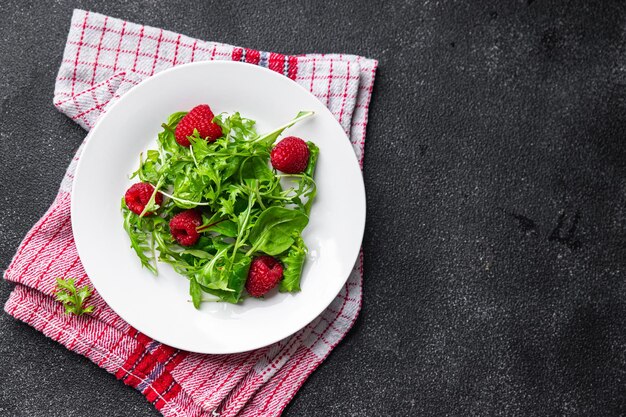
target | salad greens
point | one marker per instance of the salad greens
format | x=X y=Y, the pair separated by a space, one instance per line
x=246 y=210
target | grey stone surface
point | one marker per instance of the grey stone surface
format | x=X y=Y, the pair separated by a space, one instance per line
x=495 y=250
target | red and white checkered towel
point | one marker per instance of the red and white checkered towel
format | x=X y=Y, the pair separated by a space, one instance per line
x=105 y=57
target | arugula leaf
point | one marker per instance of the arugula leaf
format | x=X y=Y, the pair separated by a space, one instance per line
x=167 y=139
x=196 y=293
x=174 y=118
x=230 y=166
x=210 y=274
x=269 y=138
x=236 y=282
x=310 y=196
x=224 y=227
x=293 y=261
x=274 y=230
x=314 y=152
x=142 y=240
x=148 y=168
x=196 y=253
x=200 y=148
x=255 y=167
x=236 y=127
x=73 y=298
x=223 y=279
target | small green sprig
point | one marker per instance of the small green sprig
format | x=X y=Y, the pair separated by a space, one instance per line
x=73 y=298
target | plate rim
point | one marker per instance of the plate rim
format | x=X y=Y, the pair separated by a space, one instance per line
x=78 y=179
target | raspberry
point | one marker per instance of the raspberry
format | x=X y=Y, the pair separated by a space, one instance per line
x=199 y=118
x=138 y=195
x=265 y=272
x=290 y=155
x=183 y=227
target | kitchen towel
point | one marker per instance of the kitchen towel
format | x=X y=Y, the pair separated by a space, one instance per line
x=104 y=57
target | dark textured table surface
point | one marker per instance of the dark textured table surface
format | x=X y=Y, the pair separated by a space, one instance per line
x=495 y=247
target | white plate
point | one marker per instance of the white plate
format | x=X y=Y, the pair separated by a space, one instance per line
x=160 y=306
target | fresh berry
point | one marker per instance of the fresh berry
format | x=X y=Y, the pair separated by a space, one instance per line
x=265 y=272
x=201 y=119
x=183 y=227
x=138 y=195
x=214 y=132
x=290 y=155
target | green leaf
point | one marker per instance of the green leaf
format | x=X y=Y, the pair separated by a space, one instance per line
x=238 y=274
x=196 y=293
x=166 y=139
x=63 y=297
x=148 y=170
x=269 y=138
x=256 y=167
x=230 y=166
x=293 y=261
x=73 y=298
x=275 y=229
x=175 y=118
x=314 y=152
x=226 y=228
x=210 y=275
x=200 y=148
x=310 y=196
x=197 y=253
x=139 y=230
x=237 y=128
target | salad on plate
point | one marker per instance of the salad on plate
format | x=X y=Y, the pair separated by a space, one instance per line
x=224 y=205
